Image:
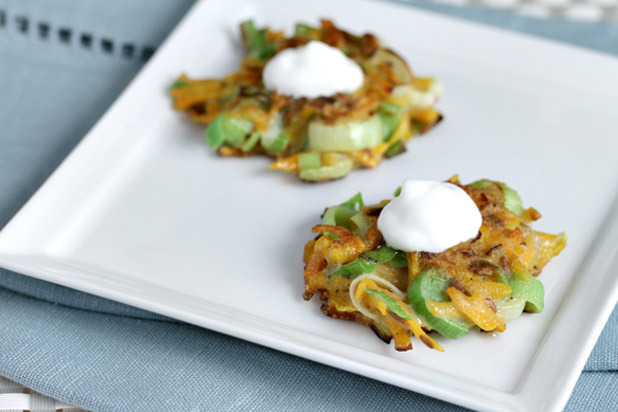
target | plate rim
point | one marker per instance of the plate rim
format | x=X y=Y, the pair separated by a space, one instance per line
x=605 y=237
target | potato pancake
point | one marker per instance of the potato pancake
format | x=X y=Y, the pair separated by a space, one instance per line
x=321 y=138
x=481 y=283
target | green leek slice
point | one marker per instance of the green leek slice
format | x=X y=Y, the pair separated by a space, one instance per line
x=236 y=129
x=510 y=307
x=382 y=254
x=368 y=261
x=178 y=84
x=390 y=115
x=275 y=128
x=529 y=288
x=230 y=130
x=338 y=216
x=215 y=135
x=355 y=268
x=301 y=30
x=395 y=149
x=256 y=41
x=345 y=136
x=250 y=142
x=335 y=171
x=309 y=161
x=392 y=305
x=432 y=285
x=399 y=260
x=360 y=224
x=279 y=144
x=512 y=201
x=355 y=202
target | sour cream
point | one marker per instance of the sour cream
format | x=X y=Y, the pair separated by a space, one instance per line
x=429 y=216
x=313 y=70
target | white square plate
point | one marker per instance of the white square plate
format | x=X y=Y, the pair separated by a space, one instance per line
x=144 y=213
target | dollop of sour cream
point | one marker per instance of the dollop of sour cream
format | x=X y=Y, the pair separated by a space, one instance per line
x=429 y=216
x=313 y=70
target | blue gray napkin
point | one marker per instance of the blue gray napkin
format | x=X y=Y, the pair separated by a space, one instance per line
x=62 y=63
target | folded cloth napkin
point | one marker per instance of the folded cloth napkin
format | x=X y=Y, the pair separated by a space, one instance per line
x=62 y=63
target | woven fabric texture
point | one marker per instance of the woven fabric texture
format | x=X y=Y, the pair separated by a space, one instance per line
x=581 y=10
x=17 y=398
x=105 y=356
